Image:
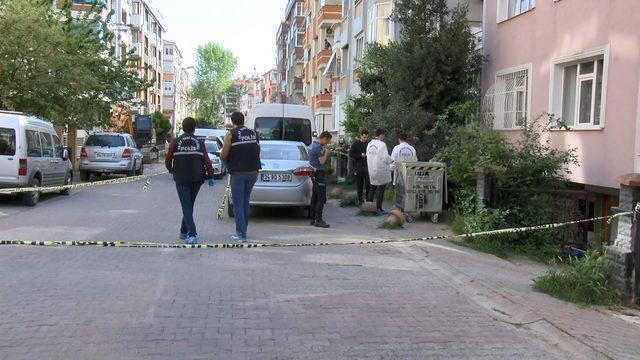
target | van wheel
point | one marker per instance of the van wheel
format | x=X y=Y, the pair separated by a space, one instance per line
x=85 y=175
x=68 y=180
x=31 y=198
x=230 y=210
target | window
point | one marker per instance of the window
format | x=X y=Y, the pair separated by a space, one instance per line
x=47 y=145
x=379 y=23
x=136 y=8
x=33 y=144
x=57 y=147
x=578 y=95
x=292 y=129
x=510 y=8
x=7 y=142
x=105 y=141
x=344 y=61
x=510 y=98
x=358 y=9
x=359 y=50
x=300 y=9
x=345 y=8
x=299 y=39
x=283 y=152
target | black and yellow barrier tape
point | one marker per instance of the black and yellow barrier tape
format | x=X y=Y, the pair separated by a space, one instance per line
x=125 y=244
x=225 y=199
x=125 y=180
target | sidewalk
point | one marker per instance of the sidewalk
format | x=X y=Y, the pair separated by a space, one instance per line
x=503 y=288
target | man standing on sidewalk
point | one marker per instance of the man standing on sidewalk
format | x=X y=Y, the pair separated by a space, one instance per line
x=318 y=154
x=378 y=161
x=241 y=151
x=402 y=153
x=358 y=153
x=188 y=161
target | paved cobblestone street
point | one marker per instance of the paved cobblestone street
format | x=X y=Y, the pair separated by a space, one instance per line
x=385 y=301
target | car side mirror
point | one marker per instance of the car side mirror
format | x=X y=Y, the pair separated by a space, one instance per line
x=65 y=154
x=315 y=134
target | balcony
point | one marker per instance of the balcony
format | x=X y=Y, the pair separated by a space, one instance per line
x=153 y=38
x=137 y=50
x=329 y=15
x=322 y=58
x=323 y=101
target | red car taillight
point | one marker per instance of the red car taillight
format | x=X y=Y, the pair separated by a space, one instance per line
x=305 y=171
x=22 y=170
x=126 y=153
x=83 y=152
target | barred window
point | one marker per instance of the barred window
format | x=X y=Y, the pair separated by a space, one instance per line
x=507 y=101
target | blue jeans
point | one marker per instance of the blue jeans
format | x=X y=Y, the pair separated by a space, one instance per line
x=241 y=186
x=187 y=193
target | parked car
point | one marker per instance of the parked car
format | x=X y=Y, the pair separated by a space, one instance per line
x=286 y=122
x=110 y=153
x=31 y=155
x=285 y=178
x=219 y=167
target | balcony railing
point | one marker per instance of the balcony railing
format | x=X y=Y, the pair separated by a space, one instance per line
x=136 y=21
x=323 y=101
x=137 y=51
x=322 y=58
x=329 y=15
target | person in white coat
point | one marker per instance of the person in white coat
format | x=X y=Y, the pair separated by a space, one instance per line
x=378 y=162
x=402 y=153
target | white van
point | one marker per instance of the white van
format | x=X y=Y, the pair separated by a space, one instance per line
x=31 y=155
x=283 y=122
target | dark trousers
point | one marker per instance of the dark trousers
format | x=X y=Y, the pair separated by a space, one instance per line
x=241 y=187
x=319 y=196
x=363 y=184
x=187 y=193
x=378 y=191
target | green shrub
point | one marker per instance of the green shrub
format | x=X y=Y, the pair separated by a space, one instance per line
x=390 y=226
x=582 y=281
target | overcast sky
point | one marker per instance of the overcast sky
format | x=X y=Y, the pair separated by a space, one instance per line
x=246 y=27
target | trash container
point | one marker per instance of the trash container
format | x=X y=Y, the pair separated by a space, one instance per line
x=421 y=188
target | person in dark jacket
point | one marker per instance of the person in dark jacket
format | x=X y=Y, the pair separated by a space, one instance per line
x=358 y=153
x=188 y=161
x=241 y=151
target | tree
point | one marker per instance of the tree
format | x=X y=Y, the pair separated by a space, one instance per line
x=214 y=70
x=407 y=85
x=59 y=65
x=162 y=126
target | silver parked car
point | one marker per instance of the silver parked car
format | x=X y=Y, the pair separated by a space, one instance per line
x=31 y=155
x=213 y=149
x=110 y=153
x=285 y=178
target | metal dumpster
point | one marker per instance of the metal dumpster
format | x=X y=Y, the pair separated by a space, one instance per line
x=421 y=188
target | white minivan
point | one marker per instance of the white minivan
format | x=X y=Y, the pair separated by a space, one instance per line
x=31 y=155
x=286 y=122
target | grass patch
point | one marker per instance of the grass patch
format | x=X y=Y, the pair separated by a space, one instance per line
x=455 y=222
x=390 y=226
x=583 y=281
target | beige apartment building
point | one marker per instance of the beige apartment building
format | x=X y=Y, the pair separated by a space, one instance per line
x=175 y=85
x=289 y=43
x=147 y=34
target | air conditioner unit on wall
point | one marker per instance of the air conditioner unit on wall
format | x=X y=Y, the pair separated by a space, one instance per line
x=328 y=32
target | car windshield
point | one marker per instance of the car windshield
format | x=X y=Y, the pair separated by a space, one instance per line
x=288 y=129
x=212 y=147
x=282 y=152
x=105 y=140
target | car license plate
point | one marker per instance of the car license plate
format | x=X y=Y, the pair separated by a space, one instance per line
x=276 y=177
x=104 y=155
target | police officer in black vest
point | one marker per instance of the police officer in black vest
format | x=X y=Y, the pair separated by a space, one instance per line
x=188 y=161
x=241 y=151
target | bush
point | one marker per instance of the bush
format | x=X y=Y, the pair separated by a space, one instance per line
x=582 y=281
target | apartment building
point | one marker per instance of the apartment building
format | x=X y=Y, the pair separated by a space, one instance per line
x=579 y=61
x=362 y=22
x=147 y=33
x=175 y=84
x=281 y=61
x=270 y=87
x=290 y=53
x=321 y=16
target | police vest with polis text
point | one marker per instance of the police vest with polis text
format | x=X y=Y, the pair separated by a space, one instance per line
x=244 y=155
x=188 y=162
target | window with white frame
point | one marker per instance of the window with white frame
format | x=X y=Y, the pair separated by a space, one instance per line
x=345 y=8
x=299 y=39
x=359 y=50
x=344 y=61
x=300 y=9
x=509 y=98
x=578 y=89
x=379 y=23
x=510 y=8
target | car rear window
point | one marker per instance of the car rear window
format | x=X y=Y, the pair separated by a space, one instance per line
x=282 y=152
x=288 y=129
x=212 y=147
x=105 y=140
x=7 y=142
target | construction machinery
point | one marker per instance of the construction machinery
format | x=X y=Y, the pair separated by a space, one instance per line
x=140 y=127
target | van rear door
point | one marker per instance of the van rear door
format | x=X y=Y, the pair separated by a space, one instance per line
x=298 y=123
x=9 y=157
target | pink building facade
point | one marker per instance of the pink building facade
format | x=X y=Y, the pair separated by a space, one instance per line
x=578 y=60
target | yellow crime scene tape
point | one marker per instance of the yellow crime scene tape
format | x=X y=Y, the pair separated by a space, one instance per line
x=125 y=244
x=131 y=179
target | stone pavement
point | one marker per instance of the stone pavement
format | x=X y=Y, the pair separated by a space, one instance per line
x=409 y=300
